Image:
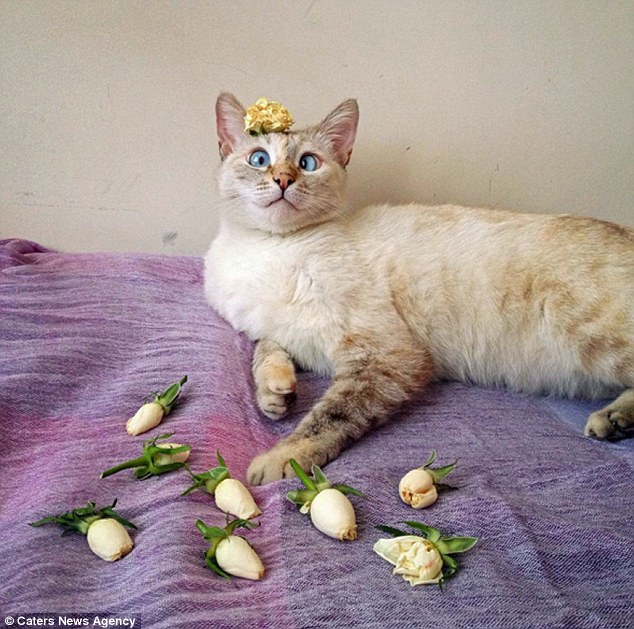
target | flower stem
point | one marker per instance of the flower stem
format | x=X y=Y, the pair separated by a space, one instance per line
x=138 y=462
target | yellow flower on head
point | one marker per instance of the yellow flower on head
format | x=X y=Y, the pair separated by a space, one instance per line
x=267 y=116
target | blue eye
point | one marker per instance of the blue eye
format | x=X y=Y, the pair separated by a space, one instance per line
x=308 y=162
x=259 y=159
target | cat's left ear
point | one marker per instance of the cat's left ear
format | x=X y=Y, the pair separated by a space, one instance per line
x=229 y=123
x=339 y=129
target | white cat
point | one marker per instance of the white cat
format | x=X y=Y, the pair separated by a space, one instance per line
x=384 y=299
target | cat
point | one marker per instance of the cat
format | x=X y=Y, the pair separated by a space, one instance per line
x=386 y=298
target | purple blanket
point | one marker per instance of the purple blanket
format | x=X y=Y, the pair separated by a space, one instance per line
x=84 y=337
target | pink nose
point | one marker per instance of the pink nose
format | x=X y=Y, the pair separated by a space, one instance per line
x=283 y=180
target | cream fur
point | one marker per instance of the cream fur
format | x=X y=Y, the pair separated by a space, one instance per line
x=386 y=297
x=458 y=278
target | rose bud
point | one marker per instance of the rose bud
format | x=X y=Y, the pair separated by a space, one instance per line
x=147 y=417
x=414 y=557
x=104 y=529
x=156 y=459
x=333 y=514
x=151 y=414
x=422 y=559
x=108 y=539
x=418 y=487
x=230 y=494
x=330 y=510
x=234 y=498
x=236 y=557
x=231 y=555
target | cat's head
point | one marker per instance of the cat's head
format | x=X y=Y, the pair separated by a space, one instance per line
x=285 y=181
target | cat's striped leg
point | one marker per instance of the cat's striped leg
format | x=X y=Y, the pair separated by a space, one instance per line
x=614 y=421
x=274 y=376
x=370 y=383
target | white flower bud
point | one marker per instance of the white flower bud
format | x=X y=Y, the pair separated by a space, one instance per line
x=417 y=489
x=109 y=539
x=333 y=514
x=147 y=417
x=166 y=459
x=236 y=556
x=234 y=498
x=414 y=557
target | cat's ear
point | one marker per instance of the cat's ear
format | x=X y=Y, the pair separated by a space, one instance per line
x=229 y=122
x=339 y=129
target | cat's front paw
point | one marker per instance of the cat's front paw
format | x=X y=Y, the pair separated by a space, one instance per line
x=276 y=389
x=274 y=464
x=268 y=467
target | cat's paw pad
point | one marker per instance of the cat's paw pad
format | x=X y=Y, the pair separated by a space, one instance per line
x=276 y=391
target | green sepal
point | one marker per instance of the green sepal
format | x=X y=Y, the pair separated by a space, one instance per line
x=79 y=520
x=214 y=535
x=145 y=464
x=164 y=469
x=314 y=485
x=351 y=491
x=452 y=545
x=210 y=532
x=432 y=534
x=308 y=482
x=209 y=479
x=210 y=562
x=111 y=513
x=301 y=496
x=390 y=530
x=431 y=459
x=450 y=566
x=438 y=473
x=239 y=522
x=168 y=398
x=170 y=451
x=321 y=480
x=221 y=461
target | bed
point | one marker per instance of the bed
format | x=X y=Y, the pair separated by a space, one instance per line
x=84 y=338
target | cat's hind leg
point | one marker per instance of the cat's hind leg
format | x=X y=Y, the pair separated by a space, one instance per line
x=274 y=376
x=615 y=420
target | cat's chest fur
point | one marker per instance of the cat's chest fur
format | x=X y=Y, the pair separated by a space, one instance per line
x=287 y=289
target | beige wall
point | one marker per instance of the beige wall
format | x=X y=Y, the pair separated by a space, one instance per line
x=106 y=115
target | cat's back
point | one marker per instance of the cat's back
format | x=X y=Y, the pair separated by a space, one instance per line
x=503 y=297
x=456 y=235
x=460 y=258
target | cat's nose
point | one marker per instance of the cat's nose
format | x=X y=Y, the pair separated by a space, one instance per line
x=283 y=180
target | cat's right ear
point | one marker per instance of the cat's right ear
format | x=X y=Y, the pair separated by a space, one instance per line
x=339 y=129
x=229 y=122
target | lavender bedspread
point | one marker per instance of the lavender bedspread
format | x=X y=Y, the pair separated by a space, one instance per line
x=83 y=338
